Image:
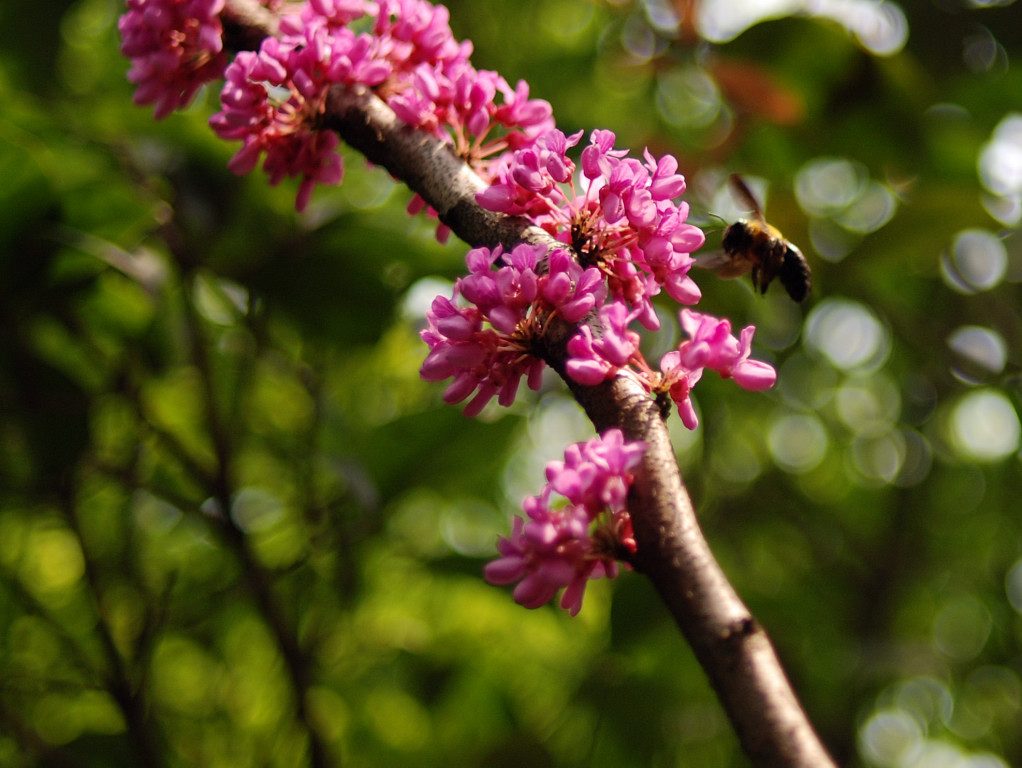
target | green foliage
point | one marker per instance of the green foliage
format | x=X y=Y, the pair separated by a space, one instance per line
x=178 y=349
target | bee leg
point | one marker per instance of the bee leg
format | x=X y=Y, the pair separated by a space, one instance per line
x=757 y=283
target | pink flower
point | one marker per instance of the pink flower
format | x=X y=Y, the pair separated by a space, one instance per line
x=533 y=116
x=599 y=158
x=503 y=294
x=417 y=32
x=487 y=347
x=459 y=104
x=678 y=381
x=753 y=375
x=596 y=474
x=592 y=360
x=175 y=47
x=712 y=346
x=434 y=87
x=272 y=101
x=338 y=12
x=666 y=183
x=574 y=292
x=564 y=546
x=482 y=362
x=624 y=222
x=544 y=555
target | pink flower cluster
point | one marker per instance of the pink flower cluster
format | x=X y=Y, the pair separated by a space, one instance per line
x=417 y=32
x=623 y=232
x=436 y=89
x=489 y=342
x=625 y=223
x=710 y=345
x=459 y=104
x=562 y=544
x=274 y=99
x=175 y=47
x=628 y=231
x=624 y=220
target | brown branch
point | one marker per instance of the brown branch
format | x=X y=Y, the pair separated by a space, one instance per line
x=732 y=647
x=729 y=643
x=426 y=165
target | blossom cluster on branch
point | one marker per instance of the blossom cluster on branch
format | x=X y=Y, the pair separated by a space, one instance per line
x=563 y=545
x=621 y=227
x=489 y=344
x=175 y=48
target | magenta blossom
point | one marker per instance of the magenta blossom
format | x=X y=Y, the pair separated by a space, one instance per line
x=595 y=474
x=677 y=381
x=272 y=107
x=417 y=32
x=273 y=101
x=336 y=13
x=489 y=346
x=482 y=362
x=434 y=87
x=571 y=290
x=175 y=47
x=592 y=360
x=563 y=546
x=624 y=221
x=712 y=346
x=459 y=104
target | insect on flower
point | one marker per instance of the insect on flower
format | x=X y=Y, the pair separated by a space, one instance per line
x=753 y=245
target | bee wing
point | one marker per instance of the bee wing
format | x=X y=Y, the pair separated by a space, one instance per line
x=744 y=195
x=724 y=264
x=712 y=260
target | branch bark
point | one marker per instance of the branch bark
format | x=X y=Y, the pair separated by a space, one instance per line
x=729 y=643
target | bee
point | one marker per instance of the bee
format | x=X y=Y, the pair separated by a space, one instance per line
x=753 y=245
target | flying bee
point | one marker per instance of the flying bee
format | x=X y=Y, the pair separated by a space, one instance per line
x=753 y=245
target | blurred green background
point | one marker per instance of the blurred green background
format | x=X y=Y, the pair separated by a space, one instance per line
x=237 y=530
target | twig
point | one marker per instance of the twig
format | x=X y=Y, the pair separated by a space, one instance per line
x=256 y=578
x=142 y=731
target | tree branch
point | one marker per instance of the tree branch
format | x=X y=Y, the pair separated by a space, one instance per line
x=732 y=647
x=222 y=490
x=119 y=679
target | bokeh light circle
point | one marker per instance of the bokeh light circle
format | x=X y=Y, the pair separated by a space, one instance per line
x=979 y=352
x=848 y=334
x=890 y=737
x=985 y=426
x=977 y=261
x=962 y=628
x=798 y=442
x=1013 y=585
x=869 y=405
x=1000 y=161
x=827 y=185
x=880 y=458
